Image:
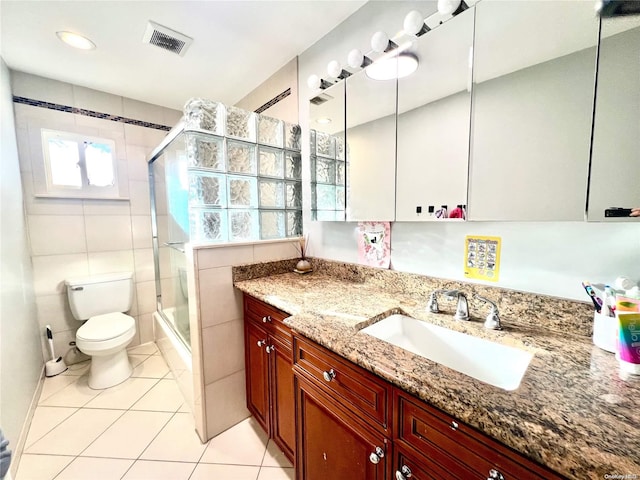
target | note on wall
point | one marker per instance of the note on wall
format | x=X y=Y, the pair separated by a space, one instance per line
x=374 y=244
x=482 y=257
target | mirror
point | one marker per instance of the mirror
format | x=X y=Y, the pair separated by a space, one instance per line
x=615 y=168
x=434 y=108
x=371 y=147
x=532 y=110
x=327 y=153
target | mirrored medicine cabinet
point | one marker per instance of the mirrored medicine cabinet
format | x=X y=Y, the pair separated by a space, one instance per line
x=615 y=158
x=498 y=117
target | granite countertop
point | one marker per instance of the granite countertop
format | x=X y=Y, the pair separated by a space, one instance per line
x=573 y=411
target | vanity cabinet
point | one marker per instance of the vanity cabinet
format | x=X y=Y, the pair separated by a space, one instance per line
x=343 y=414
x=269 y=374
x=351 y=424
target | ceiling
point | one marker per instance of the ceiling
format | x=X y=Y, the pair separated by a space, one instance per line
x=237 y=44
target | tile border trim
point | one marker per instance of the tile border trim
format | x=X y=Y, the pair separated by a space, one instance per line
x=88 y=113
x=274 y=100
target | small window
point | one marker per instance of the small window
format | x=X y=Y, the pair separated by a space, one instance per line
x=79 y=166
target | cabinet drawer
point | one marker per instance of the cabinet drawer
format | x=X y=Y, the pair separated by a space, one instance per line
x=449 y=442
x=358 y=390
x=269 y=317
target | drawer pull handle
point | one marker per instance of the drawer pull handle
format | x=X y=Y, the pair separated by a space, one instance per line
x=266 y=319
x=495 y=475
x=270 y=348
x=454 y=425
x=376 y=455
x=261 y=343
x=330 y=375
x=403 y=473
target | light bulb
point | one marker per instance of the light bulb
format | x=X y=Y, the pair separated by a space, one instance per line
x=333 y=69
x=355 y=58
x=379 y=42
x=447 y=7
x=313 y=82
x=76 y=41
x=413 y=22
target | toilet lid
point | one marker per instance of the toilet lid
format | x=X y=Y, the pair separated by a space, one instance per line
x=106 y=327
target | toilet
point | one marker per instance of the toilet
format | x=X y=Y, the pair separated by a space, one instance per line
x=100 y=300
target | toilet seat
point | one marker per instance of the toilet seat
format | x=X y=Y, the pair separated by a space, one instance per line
x=106 y=327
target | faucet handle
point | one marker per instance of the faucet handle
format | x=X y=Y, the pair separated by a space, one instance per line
x=493 y=319
x=432 y=304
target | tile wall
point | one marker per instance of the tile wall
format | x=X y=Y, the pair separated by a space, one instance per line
x=220 y=336
x=72 y=237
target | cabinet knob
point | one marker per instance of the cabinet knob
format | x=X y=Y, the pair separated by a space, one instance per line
x=270 y=348
x=495 y=475
x=330 y=375
x=376 y=455
x=266 y=319
x=261 y=343
x=454 y=425
x=403 y=473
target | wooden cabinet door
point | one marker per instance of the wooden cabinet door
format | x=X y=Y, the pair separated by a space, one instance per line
x=282 y=396
x=331 y=445
x=257 y=373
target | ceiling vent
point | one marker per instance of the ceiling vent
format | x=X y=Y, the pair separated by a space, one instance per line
x=320 y=99
x=166 y=38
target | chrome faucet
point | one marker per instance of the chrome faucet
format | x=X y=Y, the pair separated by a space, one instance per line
x=493 y=319
x=432 y=304
x=462 y=310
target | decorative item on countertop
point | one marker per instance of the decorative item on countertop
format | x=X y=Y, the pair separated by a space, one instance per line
x=303 y=265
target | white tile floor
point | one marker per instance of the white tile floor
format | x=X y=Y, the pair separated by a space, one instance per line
x=137 y=430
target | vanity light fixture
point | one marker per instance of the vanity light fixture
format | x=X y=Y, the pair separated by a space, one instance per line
x=414 y=24
x=75 y=40
x=314 y=82
x=387 y=68
x=380 y=43
x=335 y=71
x=356 y=59
x=451 y=7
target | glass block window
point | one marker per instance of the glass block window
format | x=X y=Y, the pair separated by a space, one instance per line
x=328 y=176
x=271 y=162
x=241 y=124
x=203 y=114
x=246 y=184
x=206 y=151
x=270 y=131
x=241 y=157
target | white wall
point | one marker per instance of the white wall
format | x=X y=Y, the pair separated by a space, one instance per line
x=73 y=237
x=551 y=258
x=21 y=359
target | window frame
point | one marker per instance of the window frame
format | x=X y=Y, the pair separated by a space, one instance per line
x=86 y=190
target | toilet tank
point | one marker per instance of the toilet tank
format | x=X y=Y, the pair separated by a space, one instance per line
x=100 y=294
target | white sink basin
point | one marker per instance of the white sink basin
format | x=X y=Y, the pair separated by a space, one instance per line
x=498 y=365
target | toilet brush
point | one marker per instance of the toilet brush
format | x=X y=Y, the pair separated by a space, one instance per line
x=55 y=366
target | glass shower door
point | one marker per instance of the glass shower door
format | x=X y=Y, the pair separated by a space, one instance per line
x=170 y=213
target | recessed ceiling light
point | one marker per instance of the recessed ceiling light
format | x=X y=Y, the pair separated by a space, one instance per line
x=388 y=68
x=76 y=41
x=323 y=120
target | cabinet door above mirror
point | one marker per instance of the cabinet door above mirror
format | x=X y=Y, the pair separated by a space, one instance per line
x=371 y=146
x=615 y=163
x=327 y=137
x=534 y=70
x=434 y=108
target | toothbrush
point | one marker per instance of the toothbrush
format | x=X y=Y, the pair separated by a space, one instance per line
x=597 y=301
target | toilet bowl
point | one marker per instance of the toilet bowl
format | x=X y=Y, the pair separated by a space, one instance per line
x=107 y=331
x=104 y=338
